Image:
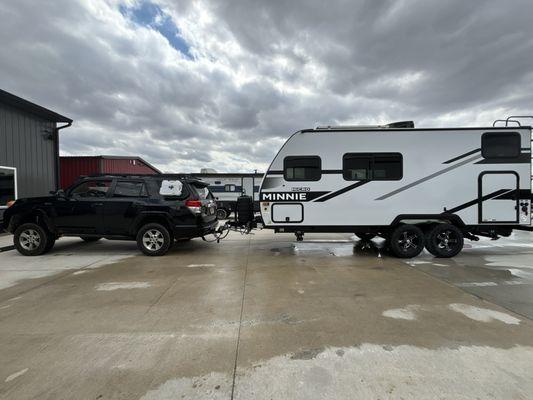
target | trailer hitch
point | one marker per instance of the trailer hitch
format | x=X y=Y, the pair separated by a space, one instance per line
x=223 y=231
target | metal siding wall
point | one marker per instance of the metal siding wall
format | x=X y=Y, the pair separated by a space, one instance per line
x=125 y=166
x=73 y=167
x=24 y=147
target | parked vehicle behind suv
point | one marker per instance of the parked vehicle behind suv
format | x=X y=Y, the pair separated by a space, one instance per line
x=153 y=210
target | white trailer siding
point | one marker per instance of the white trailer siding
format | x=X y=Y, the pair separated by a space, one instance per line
x=441 y=172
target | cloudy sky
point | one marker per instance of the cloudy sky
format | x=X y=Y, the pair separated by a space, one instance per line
x=222 y=83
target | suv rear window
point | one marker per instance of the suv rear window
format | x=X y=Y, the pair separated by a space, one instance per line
x=202 y=192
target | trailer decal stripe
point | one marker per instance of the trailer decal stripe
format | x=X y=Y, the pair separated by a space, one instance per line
x=462 y=156
x=427 y=178
x=476 y=201
x=341 y=191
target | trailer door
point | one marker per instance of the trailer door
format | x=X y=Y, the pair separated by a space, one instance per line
x=499 y=197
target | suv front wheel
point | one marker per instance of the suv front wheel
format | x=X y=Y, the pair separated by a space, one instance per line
x=32 y=240
x=154 y=239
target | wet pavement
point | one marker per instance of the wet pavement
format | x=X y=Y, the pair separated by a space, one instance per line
x=264 y=317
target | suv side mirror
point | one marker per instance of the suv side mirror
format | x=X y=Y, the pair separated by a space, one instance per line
x=60 y=193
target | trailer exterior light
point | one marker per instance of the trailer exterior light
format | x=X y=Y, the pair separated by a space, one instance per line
x=194 y=205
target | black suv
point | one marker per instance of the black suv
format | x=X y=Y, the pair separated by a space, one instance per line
x=153 y=210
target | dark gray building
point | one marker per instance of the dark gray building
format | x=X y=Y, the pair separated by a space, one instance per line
x=29 y=148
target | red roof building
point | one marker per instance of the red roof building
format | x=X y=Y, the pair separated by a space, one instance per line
x=72 y=167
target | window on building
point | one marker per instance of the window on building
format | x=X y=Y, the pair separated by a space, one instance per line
x=372 y=166
x=302 y=168
x=89 y=189
x=130 y=189
x=500 y=145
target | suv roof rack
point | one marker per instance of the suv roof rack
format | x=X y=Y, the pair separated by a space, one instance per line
x=155 y=176
x=392 y=125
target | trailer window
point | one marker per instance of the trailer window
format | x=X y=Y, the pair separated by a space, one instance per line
x=372 y=166
x=230 y=188
x=500 y=145
x=302 y=168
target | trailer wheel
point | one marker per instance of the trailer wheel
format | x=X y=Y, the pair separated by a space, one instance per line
x=444 y=241
x=407 y=241
x=222 y=213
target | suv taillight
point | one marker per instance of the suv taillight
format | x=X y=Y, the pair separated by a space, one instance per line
x=194 y=205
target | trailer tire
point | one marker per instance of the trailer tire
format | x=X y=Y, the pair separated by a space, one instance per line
x=222 y=213
x=407 y=241
x=445 y=241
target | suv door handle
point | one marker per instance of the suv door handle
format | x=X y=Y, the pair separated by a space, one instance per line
x=97 y=204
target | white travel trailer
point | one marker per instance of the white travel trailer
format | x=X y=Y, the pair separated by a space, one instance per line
x=414 y=187
x=228 y=187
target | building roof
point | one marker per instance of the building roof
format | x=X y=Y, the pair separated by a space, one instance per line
x=107 y=157
x=28 y=106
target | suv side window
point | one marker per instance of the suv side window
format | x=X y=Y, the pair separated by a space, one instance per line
x=91 y=189
x=130 y=189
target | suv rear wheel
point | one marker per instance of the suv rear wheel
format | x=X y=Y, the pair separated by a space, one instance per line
x=154 y=239
x=31 y=239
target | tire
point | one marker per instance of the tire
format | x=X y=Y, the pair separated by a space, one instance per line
x=445 y=241
x=222 y=213
x=407 y=241
x=31 y=239
x=90 y=239
x=154 y=239
x=51 y=242
x=365 y=236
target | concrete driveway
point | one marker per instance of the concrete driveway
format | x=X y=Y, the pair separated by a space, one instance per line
x=263 y=317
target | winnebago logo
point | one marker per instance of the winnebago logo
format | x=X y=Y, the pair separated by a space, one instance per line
x=290 y=196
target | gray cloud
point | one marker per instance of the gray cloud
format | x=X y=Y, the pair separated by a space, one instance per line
x=262 y=70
